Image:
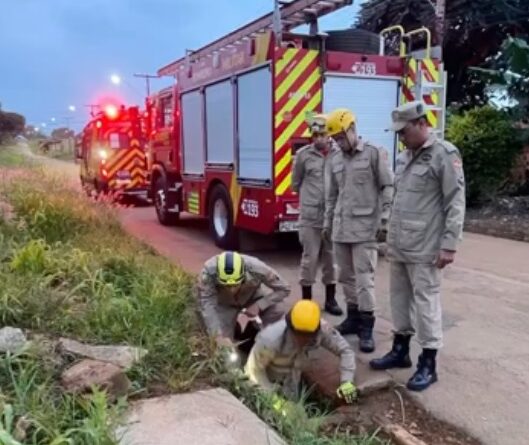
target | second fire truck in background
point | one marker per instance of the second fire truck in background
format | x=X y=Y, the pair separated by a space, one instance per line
x=111 y=152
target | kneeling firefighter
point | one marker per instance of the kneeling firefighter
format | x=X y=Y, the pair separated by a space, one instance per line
x=281 y=349
x=231 y=285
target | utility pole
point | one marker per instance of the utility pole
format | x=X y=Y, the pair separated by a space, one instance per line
x=92 y=107
x=440 y=13
x=147 y=78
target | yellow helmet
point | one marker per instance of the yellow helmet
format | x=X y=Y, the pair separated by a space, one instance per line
x=304 y=317
x=230 y=269
x=339 y=120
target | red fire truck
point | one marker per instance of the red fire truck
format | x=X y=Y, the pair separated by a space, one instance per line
x=223 y=138
x=111 y=152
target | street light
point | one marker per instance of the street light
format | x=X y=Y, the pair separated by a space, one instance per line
x=43 y=125
x=71 y=108
x=115 y=79
x=53 y=119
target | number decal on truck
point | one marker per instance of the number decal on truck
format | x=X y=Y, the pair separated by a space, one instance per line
x=250 y=208
x=364 y=68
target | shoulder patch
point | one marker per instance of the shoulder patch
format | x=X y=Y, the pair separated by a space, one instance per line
x=449 y=147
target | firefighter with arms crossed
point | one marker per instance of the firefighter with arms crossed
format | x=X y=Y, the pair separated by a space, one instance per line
x=358 y=204
x=230 y=284
x=426 y=225
x=308 y=177
x=282 y=348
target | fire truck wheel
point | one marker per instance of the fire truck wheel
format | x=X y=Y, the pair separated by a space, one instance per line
x=220 y=213
x=161 y=203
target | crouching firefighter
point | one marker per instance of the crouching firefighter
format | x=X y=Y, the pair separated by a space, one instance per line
x=308 y=179
x=232 y=286
x=281 y=349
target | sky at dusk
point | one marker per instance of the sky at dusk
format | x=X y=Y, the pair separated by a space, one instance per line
x=58 y=53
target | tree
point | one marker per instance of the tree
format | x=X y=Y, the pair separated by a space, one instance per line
x=11 y=124
x=474 y=30
x=508 y=72
x=489 y=146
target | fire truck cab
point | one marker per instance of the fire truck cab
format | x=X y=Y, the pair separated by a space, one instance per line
x=222 y=140
x=111 y=152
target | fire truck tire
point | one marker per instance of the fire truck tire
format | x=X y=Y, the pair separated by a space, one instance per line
x=161 y=203
x=353 y=40
x=221 y=225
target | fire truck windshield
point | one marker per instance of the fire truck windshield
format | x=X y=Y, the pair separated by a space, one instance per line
x=118 y=140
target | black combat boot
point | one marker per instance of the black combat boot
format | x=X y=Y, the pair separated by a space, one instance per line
x=398 y=357
x=426 y=373
x=367 y=323
x=331 y=306
x=351 y=324
x=306 y=292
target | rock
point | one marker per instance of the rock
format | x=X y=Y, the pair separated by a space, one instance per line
x=211 y=417
x=122 y=356
x=82 y=376
x=11 y=339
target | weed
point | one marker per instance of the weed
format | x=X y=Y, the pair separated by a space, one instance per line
x=35 y=411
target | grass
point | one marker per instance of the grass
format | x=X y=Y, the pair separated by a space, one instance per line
x=68 y=269
x=11 y=157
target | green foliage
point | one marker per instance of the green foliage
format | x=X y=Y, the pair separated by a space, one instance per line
x=510 y=70
x=10 y=157
x=11 y=124
x=67 y=269
x=36 y=412
x=488 y=144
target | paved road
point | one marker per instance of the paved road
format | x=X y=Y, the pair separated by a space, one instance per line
x=484 y=367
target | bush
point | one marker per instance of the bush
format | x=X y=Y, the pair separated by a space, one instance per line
x=489 y=145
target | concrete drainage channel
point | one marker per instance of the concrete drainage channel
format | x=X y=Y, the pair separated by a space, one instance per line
x=383 y=405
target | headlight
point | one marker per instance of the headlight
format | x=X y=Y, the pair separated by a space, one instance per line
x=102 y=154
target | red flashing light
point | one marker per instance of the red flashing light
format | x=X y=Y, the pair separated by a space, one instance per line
x=111 y=111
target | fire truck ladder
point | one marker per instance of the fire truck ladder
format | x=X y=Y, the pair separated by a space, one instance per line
x=422 y=86
x=285 y=17
x=425 y=88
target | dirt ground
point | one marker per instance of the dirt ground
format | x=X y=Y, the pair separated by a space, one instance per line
x=506 y=217
x=396 y=407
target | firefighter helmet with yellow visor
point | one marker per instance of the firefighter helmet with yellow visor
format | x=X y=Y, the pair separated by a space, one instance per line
x=230 y=268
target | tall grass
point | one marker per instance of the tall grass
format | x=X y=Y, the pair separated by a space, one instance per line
x=69 y=270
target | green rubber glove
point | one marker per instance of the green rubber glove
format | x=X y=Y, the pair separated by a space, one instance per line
x=347 y=391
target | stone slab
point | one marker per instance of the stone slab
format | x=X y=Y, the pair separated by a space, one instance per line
x=210 y=417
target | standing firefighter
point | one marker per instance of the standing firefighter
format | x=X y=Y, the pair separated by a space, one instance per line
x=231 y=283
x=308 y=179
x=358 y=203
x=281 y=349
x=425 y=227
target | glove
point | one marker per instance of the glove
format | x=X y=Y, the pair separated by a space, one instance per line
x=282 y=405
x=347 y=391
